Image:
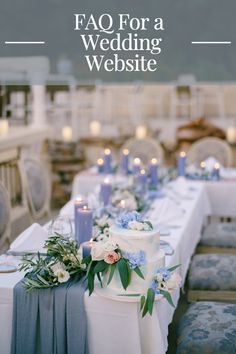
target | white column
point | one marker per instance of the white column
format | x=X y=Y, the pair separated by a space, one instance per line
x=39 y=116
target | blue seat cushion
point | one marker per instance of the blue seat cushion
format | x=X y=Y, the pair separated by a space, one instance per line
x=212 y=272
x=219 y=235
x=207 y=328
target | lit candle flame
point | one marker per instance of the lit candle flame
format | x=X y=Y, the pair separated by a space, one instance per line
x=107 y=151
x=100 y=162
x=182 y=154
x=203 y=164
x=122 y=203
x=137 y=161
x=154 y=161
x=217 y=166
x=126 y=152
x=106 y=180
x=142 y=172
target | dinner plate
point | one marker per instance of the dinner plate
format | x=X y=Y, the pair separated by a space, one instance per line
x=113 y=295
x=7 y=268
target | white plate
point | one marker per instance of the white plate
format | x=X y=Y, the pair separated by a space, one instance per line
x=113 y=295
x=7 y=268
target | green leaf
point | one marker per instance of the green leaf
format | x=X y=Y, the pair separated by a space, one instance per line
x=149 y=224
x=100 y=266
x=138 y=271
x=111 y=272
x=86 y=260
x=91 y=282
x=173 y=268
x=150 y=299
x=142 y=302
x=42 y=280
x=168 y=297
x=124 y=272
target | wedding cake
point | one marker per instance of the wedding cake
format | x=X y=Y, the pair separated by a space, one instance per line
x=140 y=243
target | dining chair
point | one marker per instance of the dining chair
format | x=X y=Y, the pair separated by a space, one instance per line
x=5 y=221
x=145 y=149
x=37 y=187
x=210 y=147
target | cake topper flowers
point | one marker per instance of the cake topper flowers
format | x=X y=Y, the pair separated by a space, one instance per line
x=133 y=221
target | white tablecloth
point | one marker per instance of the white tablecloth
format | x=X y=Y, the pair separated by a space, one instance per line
x=117 y=326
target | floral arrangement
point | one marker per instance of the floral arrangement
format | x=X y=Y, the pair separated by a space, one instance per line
x=106 y=257
x=163 y=283
x=62 y=261
x=133 y=221
x=101 y=227
x=132 y=200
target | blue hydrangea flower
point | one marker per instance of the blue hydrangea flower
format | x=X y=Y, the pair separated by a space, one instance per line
x=136 y=259
x=166 y=274
x=154 y=286
x=124 y=219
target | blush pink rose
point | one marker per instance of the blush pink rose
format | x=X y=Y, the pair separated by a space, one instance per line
x=111 y=257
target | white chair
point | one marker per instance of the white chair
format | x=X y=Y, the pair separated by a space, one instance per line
x=210 y=147
x=37 y=187
x=5 y=208
x=145 y=149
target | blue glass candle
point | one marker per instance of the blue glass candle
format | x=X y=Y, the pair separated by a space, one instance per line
x=216 y=171
x=78 y=204
x=105 y=192
x=125 y=161
x=86 y=248
x=136 y=165
x=181 y=164
x=153 y=171
x=100 y=165
x=107 y=161
x=142 y=181
x=84 y=223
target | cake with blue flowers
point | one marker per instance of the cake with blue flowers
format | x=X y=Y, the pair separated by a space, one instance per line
x=139 y=242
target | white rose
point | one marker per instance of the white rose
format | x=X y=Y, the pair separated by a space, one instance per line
x=106 y=231
x=135 y=225
x=62 y=275
x=96 y=231
x=57 y=267
x=109 y=246
x=102 y=238
x=102 y=221
x=174 y=282
x=97 y=252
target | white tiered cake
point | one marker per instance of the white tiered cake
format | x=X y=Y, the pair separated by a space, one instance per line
x=135 y=241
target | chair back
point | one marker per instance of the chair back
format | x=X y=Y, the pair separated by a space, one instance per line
x=210 y=147
x=36 y=182
x=145 y=149
x=5 y=209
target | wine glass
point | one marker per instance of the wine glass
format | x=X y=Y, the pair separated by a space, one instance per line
x=61 y=225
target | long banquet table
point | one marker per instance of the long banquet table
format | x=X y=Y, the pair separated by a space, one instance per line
x=115 y=326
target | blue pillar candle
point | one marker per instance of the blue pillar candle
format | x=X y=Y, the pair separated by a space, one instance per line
x=84 y=225
x=181 y=164
x=153 y=171
x=216 y=171
x=142 y=181
x=100 y=165
x=107 y=161
x=136 y=165
x=105 y=192
x=203 y=167
x=125 y=161
x=78 y=204
x=86 y=248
